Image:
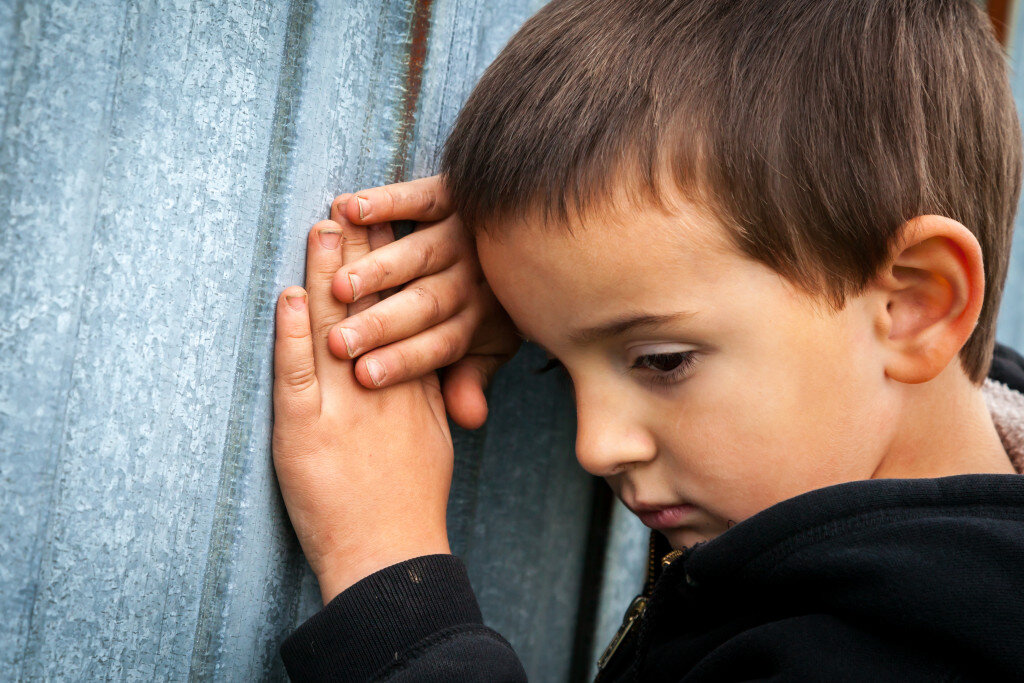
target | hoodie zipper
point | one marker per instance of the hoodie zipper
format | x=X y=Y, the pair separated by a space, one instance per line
x=636 y=610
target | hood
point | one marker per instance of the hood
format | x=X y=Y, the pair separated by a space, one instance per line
x=1004 y=394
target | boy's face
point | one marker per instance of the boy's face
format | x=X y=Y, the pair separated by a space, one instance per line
x=782 y=395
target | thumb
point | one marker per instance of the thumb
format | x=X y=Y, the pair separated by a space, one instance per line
x=296 y=389
x=463 y=388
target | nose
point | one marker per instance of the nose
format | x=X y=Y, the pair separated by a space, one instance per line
x=610 y=432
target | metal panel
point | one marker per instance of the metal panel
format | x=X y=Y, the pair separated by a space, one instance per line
x=131 y=141
x=1010 y=329
x=161 y=164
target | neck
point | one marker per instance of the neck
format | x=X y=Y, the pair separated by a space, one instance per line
x=944 y=429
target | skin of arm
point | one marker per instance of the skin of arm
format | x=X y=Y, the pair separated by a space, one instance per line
x=364 y=473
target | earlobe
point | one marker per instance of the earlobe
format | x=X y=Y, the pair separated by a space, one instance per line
x=933 y=288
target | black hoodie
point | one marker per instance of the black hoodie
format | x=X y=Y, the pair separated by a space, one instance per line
x=884 y=579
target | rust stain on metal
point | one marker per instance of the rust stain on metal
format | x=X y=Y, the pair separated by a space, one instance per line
x=999 y=12
x=419 y=32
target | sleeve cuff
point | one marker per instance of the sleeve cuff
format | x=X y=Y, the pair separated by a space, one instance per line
x=369 y=625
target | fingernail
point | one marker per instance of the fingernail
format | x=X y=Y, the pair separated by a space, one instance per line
x=329 y=238
x=351 y=341
x=357 y=285
x=364 y=207
x=296 y=302
x=376 y=370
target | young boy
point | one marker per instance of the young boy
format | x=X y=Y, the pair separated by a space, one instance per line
x=767 y=240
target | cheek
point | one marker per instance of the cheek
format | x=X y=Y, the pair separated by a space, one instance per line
x=815 y=420
x=722 y=444
x=767 y=426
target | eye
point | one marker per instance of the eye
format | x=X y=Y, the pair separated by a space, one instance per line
x=666 y=368
x=662 y=362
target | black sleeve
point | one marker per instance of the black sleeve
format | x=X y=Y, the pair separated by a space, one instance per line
x=417 y=620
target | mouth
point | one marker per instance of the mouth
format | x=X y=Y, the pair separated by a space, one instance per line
x=662 y=517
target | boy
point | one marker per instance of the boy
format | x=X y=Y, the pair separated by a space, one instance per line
x=767 y=241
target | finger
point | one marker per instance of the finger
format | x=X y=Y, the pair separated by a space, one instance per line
x=424 y=199
x=463 y=386
x=296 y=390
x=323 y=258
x=356 y=244
x=420 y=306
x=416 y=255
x=418 y=355
x=381 y=234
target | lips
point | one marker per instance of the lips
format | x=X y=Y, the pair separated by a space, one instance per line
x=662 y=516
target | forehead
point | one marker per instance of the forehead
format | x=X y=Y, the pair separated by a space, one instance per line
x=617 y=258
x=621 y=234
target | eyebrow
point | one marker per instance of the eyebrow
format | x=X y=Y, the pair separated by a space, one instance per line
x=615 y=327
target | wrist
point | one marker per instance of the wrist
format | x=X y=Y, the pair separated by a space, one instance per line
x=336 y=577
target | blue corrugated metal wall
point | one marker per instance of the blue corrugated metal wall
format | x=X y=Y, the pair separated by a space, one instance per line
x=160 y=165
x=1011 y=316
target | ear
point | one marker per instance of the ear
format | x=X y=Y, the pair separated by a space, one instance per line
x=932 y=291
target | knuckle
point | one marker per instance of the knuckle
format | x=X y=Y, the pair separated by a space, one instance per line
x=379 y=272
x=448 y=346
x=430 y=300
x=379 y=326
x=389 y=197
x=398 y=363
x=297 y=379
x=356 y=236
x=284 y=335
x=428 y=256
x=428 y=200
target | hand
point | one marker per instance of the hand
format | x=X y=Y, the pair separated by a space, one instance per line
x=445 y=316
x=364 y=474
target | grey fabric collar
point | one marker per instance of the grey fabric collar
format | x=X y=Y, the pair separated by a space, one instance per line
x=1007 y=409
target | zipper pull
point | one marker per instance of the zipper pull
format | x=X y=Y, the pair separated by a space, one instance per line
x=633 y=614
x=670 y=558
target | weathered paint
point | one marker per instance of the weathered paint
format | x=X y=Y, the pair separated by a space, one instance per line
x=418 y=34
x=1000 y=12
x=208 y=647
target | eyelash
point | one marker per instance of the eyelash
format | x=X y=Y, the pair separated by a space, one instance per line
x=659 y=377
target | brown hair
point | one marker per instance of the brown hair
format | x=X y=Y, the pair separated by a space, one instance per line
x=814 y=129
